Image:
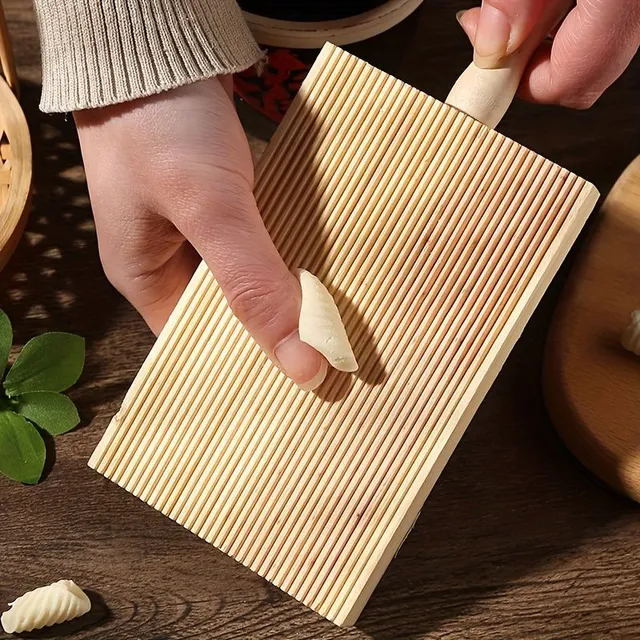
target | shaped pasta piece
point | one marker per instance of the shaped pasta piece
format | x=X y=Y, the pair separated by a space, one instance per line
x=321 y=326
x=58 y=602
x=631 y=335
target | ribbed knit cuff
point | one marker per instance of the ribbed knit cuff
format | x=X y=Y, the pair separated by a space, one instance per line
x=101 y=52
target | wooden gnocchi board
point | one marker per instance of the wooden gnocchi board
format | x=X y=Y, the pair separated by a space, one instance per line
x=437 y=237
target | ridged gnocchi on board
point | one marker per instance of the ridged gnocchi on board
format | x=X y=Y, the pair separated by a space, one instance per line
x=631 y=335
x=320 y=324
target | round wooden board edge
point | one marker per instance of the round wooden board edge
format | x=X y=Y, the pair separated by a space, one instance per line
x=558 y=407
x=16 y=208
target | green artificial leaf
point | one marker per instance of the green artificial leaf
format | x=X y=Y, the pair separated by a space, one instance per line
x=51 y=411
x=50 y=362
x=22 y=450
x=6 y=340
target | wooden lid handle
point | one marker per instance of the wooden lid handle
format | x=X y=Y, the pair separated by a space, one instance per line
x=485 y=94
x=6 y=55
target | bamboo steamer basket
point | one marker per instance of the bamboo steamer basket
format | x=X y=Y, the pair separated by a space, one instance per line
x=15 y=152
x=312 y=35
x=291 y=47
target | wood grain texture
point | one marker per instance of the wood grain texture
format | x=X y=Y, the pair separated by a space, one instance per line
x=438 y=237
x=515 y=542
x=592 y=385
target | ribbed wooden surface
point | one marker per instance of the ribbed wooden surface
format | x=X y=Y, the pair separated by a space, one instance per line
x=437 y=236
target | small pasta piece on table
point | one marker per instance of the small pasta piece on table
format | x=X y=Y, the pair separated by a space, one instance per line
x=58 y=602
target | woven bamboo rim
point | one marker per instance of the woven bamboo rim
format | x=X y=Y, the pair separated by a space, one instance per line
x=313 y=35
x=15 y=152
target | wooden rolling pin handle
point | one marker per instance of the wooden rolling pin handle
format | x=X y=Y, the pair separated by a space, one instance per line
x=485 y=94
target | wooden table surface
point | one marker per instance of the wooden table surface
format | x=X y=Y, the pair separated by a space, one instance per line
x=514 y=542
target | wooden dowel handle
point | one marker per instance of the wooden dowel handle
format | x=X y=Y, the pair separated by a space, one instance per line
x=6 y=55
x=485 y=94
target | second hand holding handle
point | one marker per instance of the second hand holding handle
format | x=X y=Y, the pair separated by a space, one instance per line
x=485 y=94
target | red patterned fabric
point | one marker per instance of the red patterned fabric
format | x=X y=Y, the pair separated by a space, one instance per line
x=271 y=91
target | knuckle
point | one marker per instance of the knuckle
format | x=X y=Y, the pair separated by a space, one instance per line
x=233 y=198
x=255 y=301
x=115 y=276
x=121 y=281
x=195 y=202
x=568 y=88
x=572 y=93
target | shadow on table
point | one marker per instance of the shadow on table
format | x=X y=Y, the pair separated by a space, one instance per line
x=99 y=614
x=54 y=280
x=512 y=500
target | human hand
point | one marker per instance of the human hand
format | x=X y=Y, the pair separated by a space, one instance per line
x=593 y=45
x=170 y=179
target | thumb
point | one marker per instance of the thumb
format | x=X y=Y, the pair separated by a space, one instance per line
x=468 y=20
x=265 y=296
x=503 y=26
x=591 y=48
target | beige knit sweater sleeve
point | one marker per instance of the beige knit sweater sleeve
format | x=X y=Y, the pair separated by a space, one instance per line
x=101 y=52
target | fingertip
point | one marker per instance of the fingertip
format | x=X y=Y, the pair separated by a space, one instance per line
x=301 y=362
x=317 y=380
x=536 y=80
x=468 y=20
x=492 y=36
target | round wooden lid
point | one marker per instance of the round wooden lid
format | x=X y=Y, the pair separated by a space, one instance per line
x=592 y=384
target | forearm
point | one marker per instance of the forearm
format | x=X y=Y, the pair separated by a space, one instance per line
x=101 y=52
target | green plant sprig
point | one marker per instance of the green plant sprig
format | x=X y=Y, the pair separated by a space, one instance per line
x=30 y=398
